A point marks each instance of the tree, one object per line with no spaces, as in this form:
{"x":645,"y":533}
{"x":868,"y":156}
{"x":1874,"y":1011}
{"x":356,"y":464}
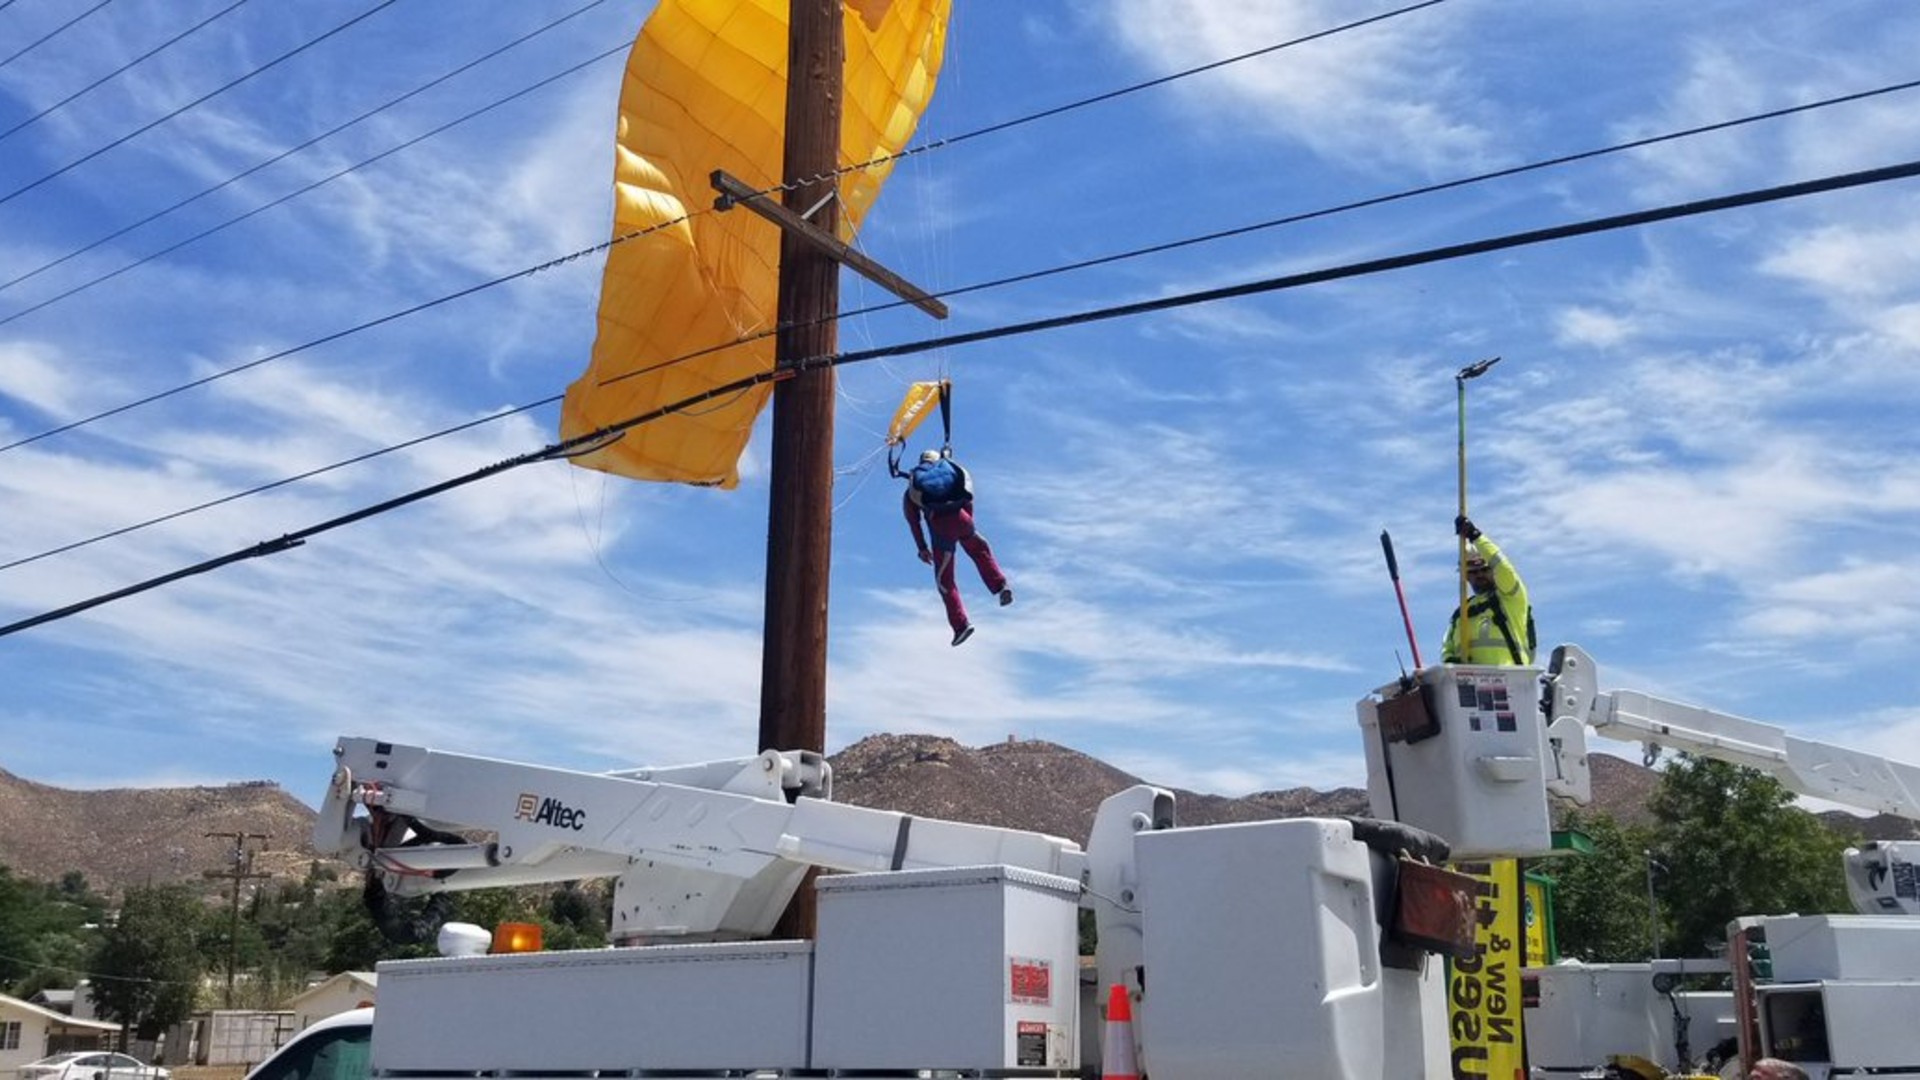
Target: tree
{"x":148,"y":963}
{"x":45,"y":932}
{"x":354,"y":942}
{"x":1734,"y":844}
{"x":576,"y":917}
{"x":1600,"y":911}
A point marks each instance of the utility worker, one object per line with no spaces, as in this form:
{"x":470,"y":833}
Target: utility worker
{"x":939,"y":490}
{"x":1499,"y":618}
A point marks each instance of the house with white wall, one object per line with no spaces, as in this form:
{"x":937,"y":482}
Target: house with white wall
{"x":347,"y":990}
{"x":29,"y":1032}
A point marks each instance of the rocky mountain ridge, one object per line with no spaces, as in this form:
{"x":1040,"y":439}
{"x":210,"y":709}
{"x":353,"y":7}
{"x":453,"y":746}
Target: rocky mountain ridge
{"x":123,"y":837}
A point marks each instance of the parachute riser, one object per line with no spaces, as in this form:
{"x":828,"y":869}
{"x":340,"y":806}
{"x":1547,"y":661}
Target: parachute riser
{"x":912,"y":412}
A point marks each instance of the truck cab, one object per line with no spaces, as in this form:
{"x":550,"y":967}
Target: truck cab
{"x":339,"y":1047}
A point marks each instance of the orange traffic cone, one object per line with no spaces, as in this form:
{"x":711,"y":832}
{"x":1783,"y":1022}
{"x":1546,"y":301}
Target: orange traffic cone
{"x":1117,"y":1059}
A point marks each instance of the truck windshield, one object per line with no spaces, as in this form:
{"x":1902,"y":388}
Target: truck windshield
{"x":341,"y":1054}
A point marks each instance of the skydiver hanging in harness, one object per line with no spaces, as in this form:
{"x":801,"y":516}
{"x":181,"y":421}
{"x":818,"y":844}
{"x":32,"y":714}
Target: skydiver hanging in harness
{"x":940,"y":490}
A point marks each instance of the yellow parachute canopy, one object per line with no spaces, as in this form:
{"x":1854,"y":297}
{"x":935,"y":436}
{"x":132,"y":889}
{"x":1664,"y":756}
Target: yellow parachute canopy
{"x":705,"y":89}
{"x":920,"y":400}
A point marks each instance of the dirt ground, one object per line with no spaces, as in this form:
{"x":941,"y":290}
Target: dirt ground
{"x":208,"y":1072}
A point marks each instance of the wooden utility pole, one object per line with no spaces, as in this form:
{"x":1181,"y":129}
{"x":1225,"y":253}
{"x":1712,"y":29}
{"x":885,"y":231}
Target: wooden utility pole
{"x":239,"y":869}
{"x":793,"y":668}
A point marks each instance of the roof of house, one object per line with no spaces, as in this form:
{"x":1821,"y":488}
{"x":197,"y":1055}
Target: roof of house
{"x":363,"y":980}
{"x":55,"y":1019}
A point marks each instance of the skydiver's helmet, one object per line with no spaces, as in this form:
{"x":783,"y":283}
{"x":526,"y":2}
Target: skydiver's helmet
{"x":928,"y":457}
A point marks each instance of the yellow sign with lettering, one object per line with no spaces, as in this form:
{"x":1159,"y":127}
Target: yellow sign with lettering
{"x":1483,"y":994}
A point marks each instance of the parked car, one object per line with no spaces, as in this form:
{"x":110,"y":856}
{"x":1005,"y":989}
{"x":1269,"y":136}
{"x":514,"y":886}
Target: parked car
{"x":91,"y":1065}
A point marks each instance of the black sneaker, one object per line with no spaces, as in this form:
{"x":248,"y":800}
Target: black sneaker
{"x":963,"y":633}
{"x":1006,"y":596}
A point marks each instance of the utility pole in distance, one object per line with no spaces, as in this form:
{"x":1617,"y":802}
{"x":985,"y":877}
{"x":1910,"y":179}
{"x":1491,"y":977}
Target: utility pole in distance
{"x":239,"y":869}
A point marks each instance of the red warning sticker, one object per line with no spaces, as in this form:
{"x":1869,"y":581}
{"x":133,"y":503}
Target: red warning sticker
{"x":1029,"y":982}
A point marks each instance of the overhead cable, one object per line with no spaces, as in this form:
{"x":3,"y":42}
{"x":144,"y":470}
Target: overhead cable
{"x":1082,"y":103}
{"x":271,"y":485}
{"x":584,"y":442}
{"x":422,"y":137}
{"x":121,"y":70}
{"x":53,"y":33}
{"x":282,"y":156}
{"x":1289,"y":219}
{"x":956,"y":291}
{"x":1164,"y":79}
{"x":335,"y":336}
{"x":195,"y":103}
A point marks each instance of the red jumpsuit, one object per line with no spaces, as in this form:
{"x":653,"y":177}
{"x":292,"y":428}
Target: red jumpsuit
{"x":951,"y":528}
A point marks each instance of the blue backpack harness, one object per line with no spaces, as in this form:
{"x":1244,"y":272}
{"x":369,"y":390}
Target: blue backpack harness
{"x":939,"y":486}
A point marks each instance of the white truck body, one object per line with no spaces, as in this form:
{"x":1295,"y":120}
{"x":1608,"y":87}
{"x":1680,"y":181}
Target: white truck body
{"x":1275,"y":948}
{"x":962,"y":971}
{"x":941,"y":947}
{"x":1586,"y":1013}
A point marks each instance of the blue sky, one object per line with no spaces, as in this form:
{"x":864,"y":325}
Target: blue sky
{"x":1699,"y":449}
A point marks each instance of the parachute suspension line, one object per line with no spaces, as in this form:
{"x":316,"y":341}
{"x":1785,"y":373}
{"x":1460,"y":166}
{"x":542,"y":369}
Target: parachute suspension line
{"x":860,"y":471}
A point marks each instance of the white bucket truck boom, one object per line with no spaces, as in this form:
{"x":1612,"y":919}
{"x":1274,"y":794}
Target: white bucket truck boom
{"x":1843,"y":990}
{"x":1274,"y":948}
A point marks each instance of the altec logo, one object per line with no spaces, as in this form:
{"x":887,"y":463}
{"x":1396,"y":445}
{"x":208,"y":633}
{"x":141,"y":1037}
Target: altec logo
{"x":548,"y":811}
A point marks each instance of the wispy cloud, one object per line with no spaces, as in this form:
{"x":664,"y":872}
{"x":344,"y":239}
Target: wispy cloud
{"x":1387,"y":94}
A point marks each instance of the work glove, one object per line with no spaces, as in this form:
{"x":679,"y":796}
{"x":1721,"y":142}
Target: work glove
{"x":1463,"y":526}
{"x":926,"y":556}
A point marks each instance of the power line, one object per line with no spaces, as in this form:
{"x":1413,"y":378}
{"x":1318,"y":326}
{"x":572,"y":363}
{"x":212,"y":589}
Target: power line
{"x":599,"y":437}
{"x":259,"y":489}
{"x":51,"y":34}
{"x":283,"y":155}
{"x":150,"y":125}
{"x":1309,"y":215}
{"x":36,"y":965}
{"x":1164,"y":79}
{"x":957,"y":291}
{"x":1381,"y":200}
{"x":1057,"y":110}
{"x":424,"y":136}
{"x":335,"y":336}
{"x":122,"y":69}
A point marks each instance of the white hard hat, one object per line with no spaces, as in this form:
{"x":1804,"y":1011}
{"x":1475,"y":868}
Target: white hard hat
{"x":929,"y":455}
